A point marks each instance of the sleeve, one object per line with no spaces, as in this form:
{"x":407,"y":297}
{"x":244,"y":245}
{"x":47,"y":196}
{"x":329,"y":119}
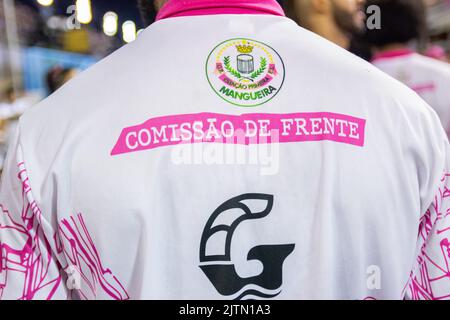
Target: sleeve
{"x":28,"y":267}
{"x":430,"y":276}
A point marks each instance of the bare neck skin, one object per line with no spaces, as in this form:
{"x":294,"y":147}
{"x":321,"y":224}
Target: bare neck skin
{"x":327,"y":28}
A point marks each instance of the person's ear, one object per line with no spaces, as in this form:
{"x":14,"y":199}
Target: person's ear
{"x":321,"y":6}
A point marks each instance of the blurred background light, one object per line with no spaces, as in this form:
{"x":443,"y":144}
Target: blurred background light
{"x":110,"y":23}
{"x":45,"y":3}
{"x":84,"y":11}
{"x":129,"y":31}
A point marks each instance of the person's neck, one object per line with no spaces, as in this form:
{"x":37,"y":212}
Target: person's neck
{"x":391,"y":47}
{"x":329,"y":30}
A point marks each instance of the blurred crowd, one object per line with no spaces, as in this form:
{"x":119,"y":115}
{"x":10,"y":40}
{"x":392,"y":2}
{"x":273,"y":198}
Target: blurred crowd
{"x":394,"y":35}
{"x":408,"y":30}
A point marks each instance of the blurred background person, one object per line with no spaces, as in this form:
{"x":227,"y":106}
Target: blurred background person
{"x":12,"y":105}
{"x":395,"y":52}
{"x":58,"y":76}
{"x":437,"y":52}
{"x":149,"y":9}
{"x":335,"y":20}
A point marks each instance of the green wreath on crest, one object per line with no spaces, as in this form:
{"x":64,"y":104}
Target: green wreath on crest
{"x":261,"y":69}
{"x":230,"y":69}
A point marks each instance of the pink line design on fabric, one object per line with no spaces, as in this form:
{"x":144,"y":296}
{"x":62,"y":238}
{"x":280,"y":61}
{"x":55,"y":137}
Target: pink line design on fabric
{"x":182,"y":8}
{"x":423,"y":87}
{"x":277,"y":128}
{"x":392,"y":54}
{"x":80,"y":251}
{"x":32,"y":258}
{"x":430,"y":279}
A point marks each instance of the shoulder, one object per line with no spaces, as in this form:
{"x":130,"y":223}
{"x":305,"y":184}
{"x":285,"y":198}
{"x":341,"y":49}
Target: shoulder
{"x":353,"y":78}
{"x":436,"y":66}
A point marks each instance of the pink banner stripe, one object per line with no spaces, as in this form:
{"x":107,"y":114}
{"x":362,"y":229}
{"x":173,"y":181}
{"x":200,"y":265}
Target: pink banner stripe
{"x":256,"y":128}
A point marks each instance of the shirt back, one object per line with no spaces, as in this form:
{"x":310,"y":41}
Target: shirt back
{"x":227,"y":156}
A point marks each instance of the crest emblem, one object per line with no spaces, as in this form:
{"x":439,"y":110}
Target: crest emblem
{"x":245,"y":72}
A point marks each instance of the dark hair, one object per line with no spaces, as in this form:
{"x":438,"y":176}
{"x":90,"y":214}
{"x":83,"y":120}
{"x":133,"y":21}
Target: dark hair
{"x":148,"y":11}
{"x":56,"y":77}
{"x":401,"y":22}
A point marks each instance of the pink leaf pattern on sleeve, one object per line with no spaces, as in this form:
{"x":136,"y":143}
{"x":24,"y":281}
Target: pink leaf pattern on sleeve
{"x":33,"y":263}
{"x":79,"y":250}
{"x":430,"y":277}
{"x":27,"y":258}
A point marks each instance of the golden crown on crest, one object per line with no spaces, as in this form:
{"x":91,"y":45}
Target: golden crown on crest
{"x":244,"y":48}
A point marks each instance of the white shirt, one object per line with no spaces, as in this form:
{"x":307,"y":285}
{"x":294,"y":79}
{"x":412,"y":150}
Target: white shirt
{"x":428,"y":77}
{"x":334,"y":170}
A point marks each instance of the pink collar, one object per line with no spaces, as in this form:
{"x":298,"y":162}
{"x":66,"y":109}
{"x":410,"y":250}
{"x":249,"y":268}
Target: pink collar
{"x":181,"y":8}
{"x":392,"y":54}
